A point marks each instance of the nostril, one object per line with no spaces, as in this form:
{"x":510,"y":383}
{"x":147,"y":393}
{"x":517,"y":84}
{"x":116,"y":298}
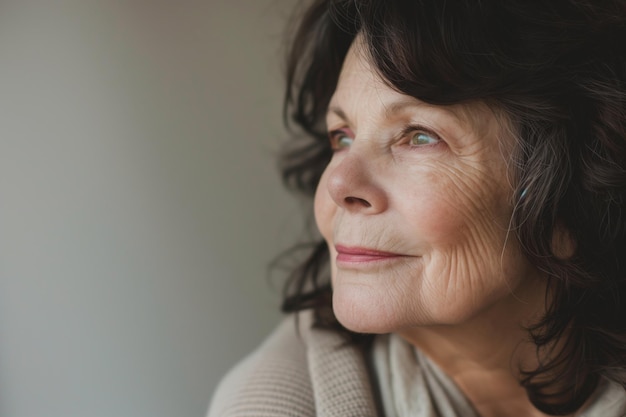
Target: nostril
{"x":357,"y":200}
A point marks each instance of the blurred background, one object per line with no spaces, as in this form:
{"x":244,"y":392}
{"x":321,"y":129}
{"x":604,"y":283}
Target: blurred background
{"x":140,"y":202}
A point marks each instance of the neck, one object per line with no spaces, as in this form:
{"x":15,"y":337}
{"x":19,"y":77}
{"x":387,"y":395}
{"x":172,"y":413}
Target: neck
{"x":484,"y":355}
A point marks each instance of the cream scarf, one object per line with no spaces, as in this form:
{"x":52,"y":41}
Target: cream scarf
{"x":411,"y":385}
{"x":308,"y":372}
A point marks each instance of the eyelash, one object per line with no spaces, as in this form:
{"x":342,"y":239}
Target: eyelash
{"x":409,"y":132}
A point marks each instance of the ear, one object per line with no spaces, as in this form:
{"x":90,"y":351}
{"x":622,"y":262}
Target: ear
{"x":563,"y":243}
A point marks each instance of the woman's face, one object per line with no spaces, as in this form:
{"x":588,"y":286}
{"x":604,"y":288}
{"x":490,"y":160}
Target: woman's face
{"x":415,"y":206}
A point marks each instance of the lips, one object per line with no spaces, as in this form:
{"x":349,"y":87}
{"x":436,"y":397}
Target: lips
{"x":351,"y":254}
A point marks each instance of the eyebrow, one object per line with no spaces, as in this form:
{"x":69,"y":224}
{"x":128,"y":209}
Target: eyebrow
{"x":339,"y":112}
{"x":396,"y":107}
{"x":390,"y":110}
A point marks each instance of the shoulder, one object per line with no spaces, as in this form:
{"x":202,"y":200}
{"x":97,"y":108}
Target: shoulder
{"x":272,"y":381}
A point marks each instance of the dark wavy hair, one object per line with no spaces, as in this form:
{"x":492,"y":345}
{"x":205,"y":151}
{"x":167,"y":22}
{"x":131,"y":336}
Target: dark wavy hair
{"x":557,"y":71}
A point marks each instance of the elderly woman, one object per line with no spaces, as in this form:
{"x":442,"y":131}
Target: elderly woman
{"x":468,"y":161}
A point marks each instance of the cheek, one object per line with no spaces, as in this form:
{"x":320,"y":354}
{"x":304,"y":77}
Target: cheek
{"x":437,"y":216}
{"x":324,"y":209}
{"x":456,"y":213}
{"x":435,"y":211}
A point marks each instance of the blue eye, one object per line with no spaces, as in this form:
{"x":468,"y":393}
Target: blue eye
{"x":339,"y":139}
{"x":344,"y":142}
{"x":423,"y":138}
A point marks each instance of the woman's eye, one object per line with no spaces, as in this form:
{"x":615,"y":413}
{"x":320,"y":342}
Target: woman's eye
{"x":340,"y":139}
{"x":423,"y":138}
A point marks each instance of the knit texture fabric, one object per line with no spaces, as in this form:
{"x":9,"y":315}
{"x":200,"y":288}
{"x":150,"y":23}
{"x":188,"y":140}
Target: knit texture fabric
{"x":301,"y":371}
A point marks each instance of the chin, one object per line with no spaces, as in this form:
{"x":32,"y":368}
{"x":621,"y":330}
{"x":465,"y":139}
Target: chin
{"x":363,"y":310}
{"x":360,"y":324}
{"x":364,"y":315}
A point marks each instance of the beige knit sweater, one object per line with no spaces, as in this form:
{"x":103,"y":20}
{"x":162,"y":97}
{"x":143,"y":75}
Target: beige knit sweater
{"x":300,"y":371}
{"x":307,"y":374}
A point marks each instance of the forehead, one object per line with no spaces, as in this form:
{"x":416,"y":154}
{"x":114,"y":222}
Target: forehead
{"x":359,"y":83}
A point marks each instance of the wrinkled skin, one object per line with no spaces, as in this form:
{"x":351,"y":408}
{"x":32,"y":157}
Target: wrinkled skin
{"x":430,"y":187}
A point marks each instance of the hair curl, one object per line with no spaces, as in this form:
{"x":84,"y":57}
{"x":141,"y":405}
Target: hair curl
{"x":557,"y":71}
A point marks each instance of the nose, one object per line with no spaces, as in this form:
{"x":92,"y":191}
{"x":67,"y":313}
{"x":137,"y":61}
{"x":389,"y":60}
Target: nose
{"x":352,"y":186}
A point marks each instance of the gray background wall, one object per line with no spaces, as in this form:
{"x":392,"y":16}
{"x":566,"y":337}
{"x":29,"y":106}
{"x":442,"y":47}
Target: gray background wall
{"x":139,"y":200}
